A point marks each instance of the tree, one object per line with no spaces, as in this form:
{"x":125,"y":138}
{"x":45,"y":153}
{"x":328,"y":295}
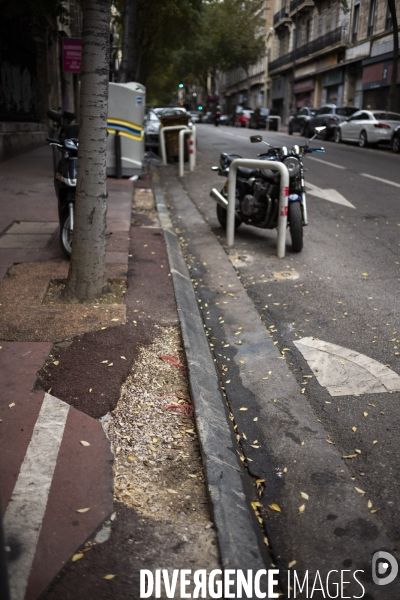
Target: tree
{"x":87,"y":271}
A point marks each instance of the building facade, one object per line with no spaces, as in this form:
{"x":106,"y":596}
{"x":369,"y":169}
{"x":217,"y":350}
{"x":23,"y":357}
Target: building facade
{"x":322,"y":54}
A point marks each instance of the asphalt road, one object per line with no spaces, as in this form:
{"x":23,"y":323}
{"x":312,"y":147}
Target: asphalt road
{"x":343,"y":290}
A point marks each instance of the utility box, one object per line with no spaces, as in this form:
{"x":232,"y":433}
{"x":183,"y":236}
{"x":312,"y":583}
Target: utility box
{"x":126,"y":107}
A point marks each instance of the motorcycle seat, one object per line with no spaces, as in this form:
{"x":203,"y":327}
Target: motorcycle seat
{"x":245,"y":173}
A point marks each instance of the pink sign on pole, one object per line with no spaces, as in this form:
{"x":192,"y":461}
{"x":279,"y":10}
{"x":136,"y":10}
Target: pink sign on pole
{"x":72,"y":55}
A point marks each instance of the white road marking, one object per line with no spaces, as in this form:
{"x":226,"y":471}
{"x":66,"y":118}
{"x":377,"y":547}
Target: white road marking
{"x":325,"y":162}
{"x":330,"y":195}
{"x":345,"y":372}
{"x":381,"y":179}
{"x":27,"y":506}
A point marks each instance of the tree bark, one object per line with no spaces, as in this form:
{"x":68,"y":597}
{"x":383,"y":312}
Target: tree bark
{"x":127,"y":68}
{"x":393,"y":83}
{"x":87,"y":271}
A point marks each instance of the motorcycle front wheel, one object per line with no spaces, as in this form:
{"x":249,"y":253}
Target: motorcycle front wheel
{"x":296,"y":226}
{"x":66,"y":234}
{"x":222,"y":216}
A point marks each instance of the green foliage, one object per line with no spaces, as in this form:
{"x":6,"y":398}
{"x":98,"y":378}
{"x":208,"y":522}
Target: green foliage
{"x":36,"y":10}
{"x":188,"y":40}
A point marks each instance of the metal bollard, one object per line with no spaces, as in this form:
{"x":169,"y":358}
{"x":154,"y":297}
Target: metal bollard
{"x":283,"y":198}
{"x":118,"y":162}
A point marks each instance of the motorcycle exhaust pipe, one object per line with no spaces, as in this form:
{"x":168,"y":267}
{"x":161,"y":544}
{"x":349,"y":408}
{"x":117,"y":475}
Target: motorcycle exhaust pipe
{"x":215,"y":195}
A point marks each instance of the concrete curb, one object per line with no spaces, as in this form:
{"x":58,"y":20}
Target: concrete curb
{"x":239,"y":536}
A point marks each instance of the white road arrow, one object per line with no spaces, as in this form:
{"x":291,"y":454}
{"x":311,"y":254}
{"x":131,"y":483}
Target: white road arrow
{"x":345,"y":372}
{"x":330,"y":195}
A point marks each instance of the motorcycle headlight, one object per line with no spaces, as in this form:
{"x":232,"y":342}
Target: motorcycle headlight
{"x":293,"y":166}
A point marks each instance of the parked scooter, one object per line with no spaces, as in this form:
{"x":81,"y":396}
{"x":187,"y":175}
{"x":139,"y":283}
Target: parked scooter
{"x":257,"y":190}
{"x":65,"y":185}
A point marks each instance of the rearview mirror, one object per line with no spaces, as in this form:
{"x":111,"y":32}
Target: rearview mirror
{"x":255,"y":139}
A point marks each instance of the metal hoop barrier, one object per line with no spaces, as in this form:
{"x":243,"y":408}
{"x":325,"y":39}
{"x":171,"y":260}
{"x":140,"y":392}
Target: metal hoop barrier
{"x":283,"y":198}
{"x":183,"y":130}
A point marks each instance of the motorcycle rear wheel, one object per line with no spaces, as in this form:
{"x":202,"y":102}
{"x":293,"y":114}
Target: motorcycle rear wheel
{"x":66,"y":235}
{"x":296,"y":226}
{"x":222,"y":216}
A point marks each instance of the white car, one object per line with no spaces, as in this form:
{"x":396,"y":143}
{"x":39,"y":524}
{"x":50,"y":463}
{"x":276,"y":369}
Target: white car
{"x":367,"y":128}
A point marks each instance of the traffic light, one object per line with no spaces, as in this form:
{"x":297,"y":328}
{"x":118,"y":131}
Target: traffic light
{"x":200,"y":107}
{"x":181,"y":85}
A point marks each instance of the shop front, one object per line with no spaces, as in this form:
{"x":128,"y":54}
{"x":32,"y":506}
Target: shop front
{"x":304,"y":92}
{"x":332,"y":87}
{"x":377,"y":75}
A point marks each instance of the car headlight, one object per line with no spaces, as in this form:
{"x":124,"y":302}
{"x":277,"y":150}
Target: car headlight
{"x":293,"y":166}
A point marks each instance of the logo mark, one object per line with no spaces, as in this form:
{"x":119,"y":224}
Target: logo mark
{"x":384,"y":568}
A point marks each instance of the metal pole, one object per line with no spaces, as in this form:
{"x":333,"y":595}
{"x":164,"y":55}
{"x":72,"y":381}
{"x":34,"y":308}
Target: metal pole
{"x":118,"y":162}
{"x":182,"y":134}
{"x":283,"y":198}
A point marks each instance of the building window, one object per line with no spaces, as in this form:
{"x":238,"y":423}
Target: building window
{"x":308,"y":31}
{"x":333,"y":17}
{"x":388,"y":20}
{"x":371,"y":17}
{"x":323,"y":23}
{"x":356,"y":18}
{"x":315,"y":26}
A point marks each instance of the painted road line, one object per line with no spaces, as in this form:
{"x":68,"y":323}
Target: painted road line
{"x":344,"y":372}
{"x":330,"y":195}
{"x":325,"y":162}
{"x":27,"y":506}
{"x":381,"y":179}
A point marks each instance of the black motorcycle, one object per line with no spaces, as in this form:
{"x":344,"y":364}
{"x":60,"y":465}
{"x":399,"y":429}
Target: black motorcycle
{"x":257,"y":190}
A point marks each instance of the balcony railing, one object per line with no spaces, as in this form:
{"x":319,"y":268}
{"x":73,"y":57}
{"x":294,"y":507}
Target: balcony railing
{"x":329,"y":39}
{"x":282,"y":14}
{"x":297,"y":4}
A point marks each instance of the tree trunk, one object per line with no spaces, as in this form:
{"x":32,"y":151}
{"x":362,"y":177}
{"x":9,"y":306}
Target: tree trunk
{"x":127,"y":68}
{"x":87,"y":271}
{"x":393,"y":83}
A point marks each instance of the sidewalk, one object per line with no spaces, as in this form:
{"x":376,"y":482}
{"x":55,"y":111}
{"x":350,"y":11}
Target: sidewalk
{"x":118,"y":495}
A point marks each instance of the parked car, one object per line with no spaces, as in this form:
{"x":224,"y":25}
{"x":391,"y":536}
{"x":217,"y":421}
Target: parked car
{"x":299,"y":121}
{"x":368,"y":128}
{"x":395,"y":143}
{"x":195,"y":116}
{"x":242,"y":118}
{"x":259,"y":118}
{"x":224,"y":120}
{"x":329,"y":116}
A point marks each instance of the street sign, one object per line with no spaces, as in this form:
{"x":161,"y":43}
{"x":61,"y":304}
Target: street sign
{"x":72,"y":55}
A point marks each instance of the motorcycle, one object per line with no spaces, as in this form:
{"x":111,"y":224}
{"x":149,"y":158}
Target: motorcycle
{"x":257,"y":190}
{"x":65,"y":186}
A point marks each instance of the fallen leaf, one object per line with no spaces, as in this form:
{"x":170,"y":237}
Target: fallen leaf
{"x":357,"y":450}
{"x":291,"y":564}
{"x":153,"y":449}
{"x":304,"y":495}
{"x":104,"y":361}
{"x":109,"y":576}
{"x":114,"y":319}
{"x":131,"y":458}
{"x":193,"y":476}
{"x":260,"y":480}
{"x":266,"y":541}
{"x":255,"y":505}
{"x":365,"y":414}
{"x":365,"y":274}
{"x":350,"y":456}
{"x":375,"y":442}
{"x":359,"y":491}
{"x":110,"y":365}
{"x":84,"y":443}
{"x":13,"y":404}
{"x":56,"y":362}
{"x":123,"y":357}
{"x":77,"y":556}
{"x":243,"y":408}
{"x":275,"y":507}
{"x":241,"y":361}
{"x":374,"y":510}
{"x":354,"y":429}
{"x":284,"y":469}
{"x":369,"y":504}
{"x":171,"y":491}
{"x":252,"y":445}
{"x":302,"y":508}
{"x":82,"y":510}
{"x":255,"y":419}
{"x":90,"y":390}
